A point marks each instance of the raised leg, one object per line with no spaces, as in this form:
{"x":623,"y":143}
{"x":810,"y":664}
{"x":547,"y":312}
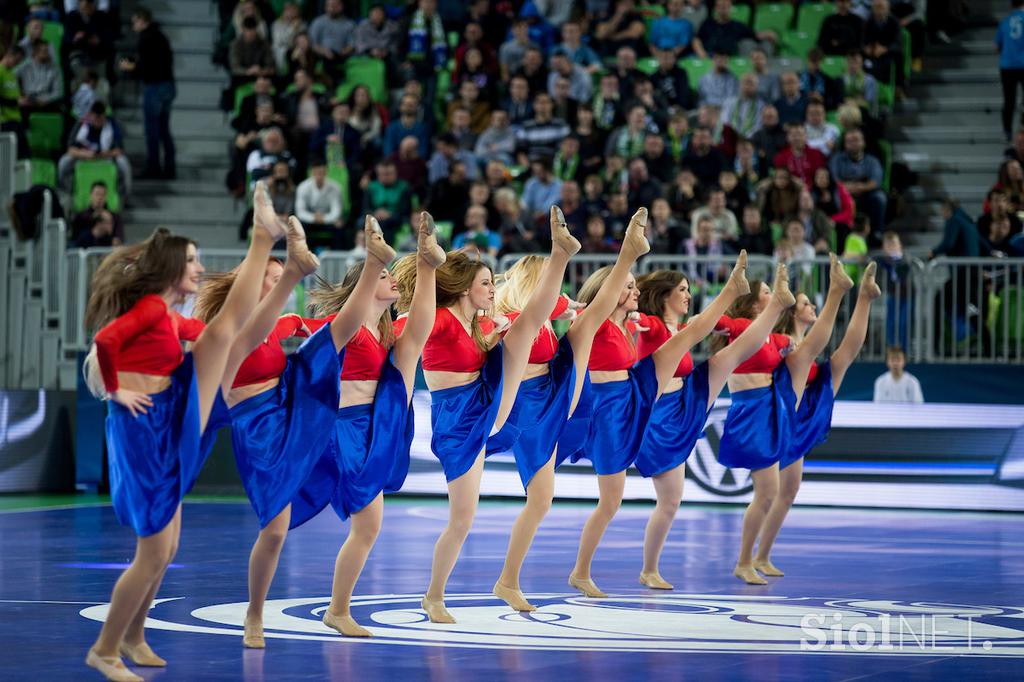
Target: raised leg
{"x":610,"y":488}
{"x":789,"y":485}
{"x":539,"y":494}
{"x":352,"y":315}
{"x":463,"y":497}
{"x":857,"y":330}
{"x":766,"y":489}
{"x":351,"y":558}
{"x":668,"y":487}
{"x":262,"y":565}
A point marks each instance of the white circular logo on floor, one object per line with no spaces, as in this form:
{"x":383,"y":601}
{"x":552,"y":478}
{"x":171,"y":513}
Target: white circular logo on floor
{"x":639,"y":623}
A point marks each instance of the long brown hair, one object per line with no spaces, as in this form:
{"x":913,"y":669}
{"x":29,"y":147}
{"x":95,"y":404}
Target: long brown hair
{"x":655,"y":287}
{"x":131,"y":272}
{"x":214,"y":291}
{"x":404,"y":272}
{"x":328,"y":299}
{"x":453,"y":278}
{"x":742,"y":307}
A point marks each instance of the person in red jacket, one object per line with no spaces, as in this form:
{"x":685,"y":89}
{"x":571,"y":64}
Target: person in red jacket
{"x":801,"y":160}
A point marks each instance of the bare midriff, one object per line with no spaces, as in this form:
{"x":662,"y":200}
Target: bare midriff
{"x":242,"y":393}
{"x":674,"y":384}
{"x":746,"y":382}
{"x":598,"y":376}
{"x":535,"y":369}
{"x":143,"y":383}
{"x":438,"y":380}
{"x":357,"y":392}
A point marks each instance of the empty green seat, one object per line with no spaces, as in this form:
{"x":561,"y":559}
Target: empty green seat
{"x":53,"y":33}
{"x":44,"y":172}
{"x":798,"y":43}
{"x":740,"y":65}
{"x":89,"y":172}
{"x":740,"y":13}
{"x":812,"y":16}
{"x":833,"y":66}
{"x":695,"y":67}
{"x":647,"y":65}
{"x":368,"y":71}
{"x":46,"y":133}
{"x":774,"y":17}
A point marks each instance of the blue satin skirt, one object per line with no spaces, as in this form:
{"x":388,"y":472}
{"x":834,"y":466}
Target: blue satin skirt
{"x":462,"y":418}
{"x":371,"y":444}
{"x":539,"y":415}
{"x":759,"y":425}
{"x":154,"y":459}
{"x":619,"y":412}
{"x":676,"y":424}
{"x":813,"y":418}
{"x":279,"y":435}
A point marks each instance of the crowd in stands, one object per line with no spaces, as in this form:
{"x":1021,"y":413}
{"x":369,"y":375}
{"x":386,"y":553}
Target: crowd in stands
{"x":733,"y":132}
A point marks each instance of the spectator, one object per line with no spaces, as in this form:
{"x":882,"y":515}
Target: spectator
{"x":643,"y":189}
{"x":705,"y":161}
{"x":563,"y":105}
{"x":855,"y":248}
{"x":283,"y":32}
{"x":477,"y":233}
{"x":517,"y":103}
{"x":261,"y":161}
{"x":577,"y":51}
{"x":40,"y":80}
{"x":86,"y":94}
{"x":376,"y":35}
{"x":628,"y":140}
{"x":756,"y":238}
{"x":862,"y":175}
{"x":517,"y":236}
{"x":540,"y":135}
{"x":794,"y":247}
{"x":580,"y":83}
{"x":1000,"y":211}
{"x":996,"y":242}
{"x":841,"y":32}
{"x":498,"y":141}
{"x":684,"y":197}
{"x":424,"y":50}
{"x":410,"y":166}
{"x":620,"y":27}
{"x":446,"y":151}
{"x":859,"y":86}
{"x":247,"y":140}
{"x":459,"y":128}
{"x":365,"y":117}
{"x":88,"y":38}
{"x":608,"y":104}
{"x":534,"y":71}
{"x":337,"y":130}
{"x":883,"y":45}
{"x":742,"y":112}
{"x":659,"y":161}
{"x":664,"y":232}
{"x":572,"y":206}
{"x":449,"y":196}
{"x":512,"y":52}
{"x":318,"y":205}
{"x":705,"y":244}
{"x":625,"y":69}
{"x":34,"y":32}
{"x":894,"y":276}
{"x":778,"y":197}
{"x":566,"y":164}
{"x":333,"y":35}
{"x":281,"y":189}
{"x":262,"y":91}
{"x":897,"y":385}
{"x":250,"y":55}
{"x":486,"y":65}
{"x":736,"y":197}
{"x":617,"y":216}
{"x":388,"y":199}
{"x":541,"y":191}
{"x":494,"y":24}
{"x":671,"y":82}
{"x":672,"y":32}
{"x":769,"y":140}
{"x":821,"y":135}
{"x":678,"y":136}
{"x":597,"y":239}
{"x":97,"y":225}
{"x":407,"y":124}
{"x":792,"y":104}
{"x":96,"y":137}
{"x":724,"y":221}
{"x":746,"y":166}
{"x":469,"y":99}
{"x":1016,"y":150}
{"x":833,"y":200}
{"x":305,"y":109}
{"x":1011,"y":181}
{"x":960,"y":234}
{"x":719,"y":84}
{"x":302,"y":55}
{"x":720,"y":33}
{"x":801,"y":160}
{"x":695,"y":11}
{"x":818,"y":229}
{"x":815,"y":82}
{"x":769,"y":88}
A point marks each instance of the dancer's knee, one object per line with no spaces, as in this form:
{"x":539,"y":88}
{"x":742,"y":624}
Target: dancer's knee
{"x":459,"y":525}
{"x":273,"y":537}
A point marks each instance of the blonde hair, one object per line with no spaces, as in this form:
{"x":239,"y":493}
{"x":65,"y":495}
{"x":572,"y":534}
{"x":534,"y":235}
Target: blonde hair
{"x":328,"y":299}
{"x":454,"y":277}
{"x":214,"y":291}
{"x":518,"y":284}
{"x":588,"y":292}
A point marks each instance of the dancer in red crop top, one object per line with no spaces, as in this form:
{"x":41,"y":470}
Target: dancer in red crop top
{"x":814,"y":414}
{"x":470,"y":401}
{"x":156,"y":427}
{"x":665,"y":300}
{"x":368,"y":376}
{"x":273,"y":472}
{"x":625,"y":393}
{"x":747,"y":447}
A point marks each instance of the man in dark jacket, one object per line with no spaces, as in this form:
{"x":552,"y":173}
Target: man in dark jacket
{"x":154,"y":66}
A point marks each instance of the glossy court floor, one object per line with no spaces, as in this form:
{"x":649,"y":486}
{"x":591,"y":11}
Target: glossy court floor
{"x":867,"y":595}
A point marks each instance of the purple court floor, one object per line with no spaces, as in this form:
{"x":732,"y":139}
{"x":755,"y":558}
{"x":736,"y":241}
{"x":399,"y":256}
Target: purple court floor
{"x":867,"y":595}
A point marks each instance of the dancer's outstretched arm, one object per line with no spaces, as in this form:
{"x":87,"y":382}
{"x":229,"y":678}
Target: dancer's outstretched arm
{"x":356,"y":309}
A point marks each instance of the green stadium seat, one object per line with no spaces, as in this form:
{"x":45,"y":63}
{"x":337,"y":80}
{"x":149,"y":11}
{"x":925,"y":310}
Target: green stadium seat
{"x":833,"y":66}
{"x":338,"y":171}
{"x":453,"y":39}
{"x":445,"y":228}
{"x":651,"y":13}
{"x":695,"y":67}
{"x":740,"y":65}
{"x":88,"y":172}
{"x":740,"y":13}
{"x":367,"y":71}
{"x":318,"y":88}
{"x":46,"y":133}
{"x":812,"y":15}
{"x":53,"y":33}
{"x":44,"y":172}
{"x":647,"y":65}
{"x":908,"y":60}
{"x":775,"y":16}
{"x":243,"y":91}
{"x":798,"y":43}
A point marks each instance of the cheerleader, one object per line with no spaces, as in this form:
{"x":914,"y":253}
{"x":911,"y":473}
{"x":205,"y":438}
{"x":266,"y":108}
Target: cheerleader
{"x":814,"y":413}
{"x":160,"y":404}
{"x":373,"y":428}
{"x":622,"y":392}
{"x":282,"y":409}
{"x":680,"y":414}
{"x":473,"y":382}
{"x":765,"y":392}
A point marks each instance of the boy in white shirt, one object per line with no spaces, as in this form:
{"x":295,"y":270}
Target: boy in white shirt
{"x":896,"y":385}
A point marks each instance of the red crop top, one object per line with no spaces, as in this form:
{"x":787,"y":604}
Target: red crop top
{"x":813,"y":373}
{"x":654,"y":338}
{"x":146,"y":339}
{"x":767,"y":357}
{"x":268,"y":360}
{"x":450,"y":348}
{"x":364,"y":357}
{"x":546,"y":343}
{"x":612,"y":349}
